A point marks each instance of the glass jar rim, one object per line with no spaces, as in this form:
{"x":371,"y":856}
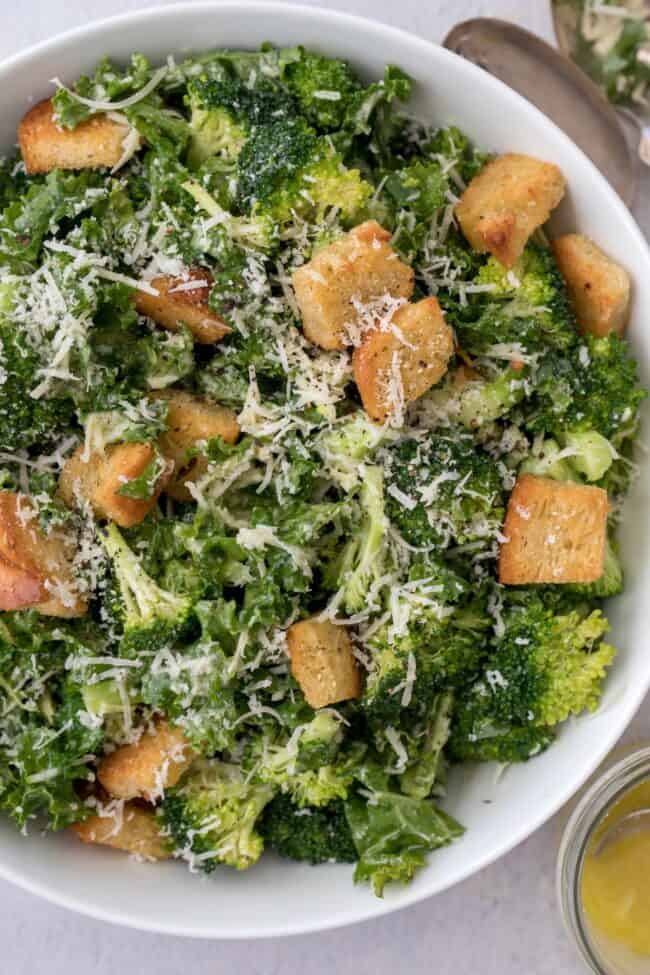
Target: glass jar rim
{"x":596,"y":802}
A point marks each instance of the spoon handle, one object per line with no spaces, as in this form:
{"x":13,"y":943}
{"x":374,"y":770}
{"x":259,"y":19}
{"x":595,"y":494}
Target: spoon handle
{"x":639,"y":133}
{"x":556,"y":86}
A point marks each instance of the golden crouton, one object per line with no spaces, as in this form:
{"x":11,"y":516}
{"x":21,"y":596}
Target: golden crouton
{"x":405,"y":360}
{"x":509,"y":199}
{"x":555,"y":532}
{"x":191,"y":420}
{"x":322,"y":662}
{"x":132,"y":828}
{"x":599,"y":288}
{"x":144,"y":770}
{"x":360,"y":266}
{"x":99,"y":479}
{"x":44,"y":146}
{"x":183,"y":301}
{"x":35,"y":568}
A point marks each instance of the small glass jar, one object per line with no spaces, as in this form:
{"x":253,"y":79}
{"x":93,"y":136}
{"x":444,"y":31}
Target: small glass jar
{"x":601,"y":954}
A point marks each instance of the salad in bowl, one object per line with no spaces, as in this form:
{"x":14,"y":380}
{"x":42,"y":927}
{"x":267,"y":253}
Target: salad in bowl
{"x":313,"y":447}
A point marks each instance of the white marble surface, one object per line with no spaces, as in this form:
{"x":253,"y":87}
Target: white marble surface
{"x":502,"y":921}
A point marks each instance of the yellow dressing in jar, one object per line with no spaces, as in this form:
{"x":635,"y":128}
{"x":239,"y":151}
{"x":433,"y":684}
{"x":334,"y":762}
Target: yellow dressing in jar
{"x":615,"y":881}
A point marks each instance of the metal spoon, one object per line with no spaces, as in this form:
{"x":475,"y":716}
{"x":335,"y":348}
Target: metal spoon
{"x":557,"y":87}
{"x":633,"y":822}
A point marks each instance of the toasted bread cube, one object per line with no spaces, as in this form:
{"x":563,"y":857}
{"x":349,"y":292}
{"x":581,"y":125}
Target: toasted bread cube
{"x":129,"y":827}
{"x":599,"y":288}
{"x":99,"y":479}
{"x":323,"y":662}
{"x":35,"y":568}
{"x":555,"y":532}
{"x":509,"y":199}
{"x":191,"y":420}
{"x":144,"y":770}
{"x":404,"y":361}
{"x":44,"y":146}
{"x":361,"y":265}
{"x":183,"y":301}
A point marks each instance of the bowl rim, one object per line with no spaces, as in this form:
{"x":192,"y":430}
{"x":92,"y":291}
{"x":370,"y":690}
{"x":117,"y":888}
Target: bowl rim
{"x":620,"y":213}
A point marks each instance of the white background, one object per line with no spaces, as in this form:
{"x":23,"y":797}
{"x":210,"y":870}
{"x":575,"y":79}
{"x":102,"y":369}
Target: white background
{"x":503,"y":921}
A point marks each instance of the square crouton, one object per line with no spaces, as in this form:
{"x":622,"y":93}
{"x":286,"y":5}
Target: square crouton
{"x":599,"y":288}
{"x":323,"y":662}
{"x":98,"y":480}
{"x":357,"y":268}
{"x":44,"y":146}
{"x":183,"y":300}
{"x":35,"y":568}
{"x":509,"y":199}
{"x":400,"y":362}
{"x":555,"y":532}
{"x":191,"y":420}
{"x":130,"y":827}
{"x":144,"y":770}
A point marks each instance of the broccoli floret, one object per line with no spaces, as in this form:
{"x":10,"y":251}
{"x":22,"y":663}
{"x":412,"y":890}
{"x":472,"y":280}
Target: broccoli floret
{"x":311,"y":834}
{"x":294,"y":764}
{"x":544,"y":668}
{"x":590,"y":453}
{"x":224,"y":111}
{"x":475,"y":401}
{"x":535,"y":281}
{"x":440,"y":647}
{"x":526,"y":307}
{"x":360,"y":564}
{"x":286,"y":169}
{"x":456,"y":150}
{"x":611,"y":581}
{"x":150,"y":616}
{"x":320,"y":741}
{"x":594,"y":388}
{"x":166,"y":357}
{"x":477,"y":737}
{"x":420,"y":187}
{"x":210,"y":817}
{"x":347,"y":444}
{"x":547,"y":459}
{"x":323,"y":88}
{"x":442,"y":487}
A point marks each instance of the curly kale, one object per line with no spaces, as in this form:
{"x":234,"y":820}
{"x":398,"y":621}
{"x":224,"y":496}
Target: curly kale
{"x":25,"y":421}
{"x":46,"y":746}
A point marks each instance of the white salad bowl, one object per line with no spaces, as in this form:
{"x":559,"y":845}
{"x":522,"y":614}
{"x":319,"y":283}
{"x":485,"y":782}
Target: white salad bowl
{"x":277,"y":897}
